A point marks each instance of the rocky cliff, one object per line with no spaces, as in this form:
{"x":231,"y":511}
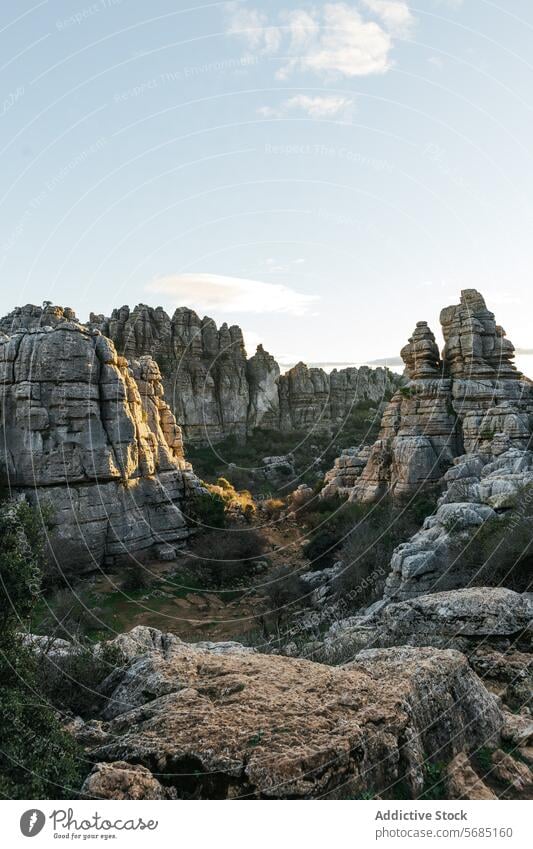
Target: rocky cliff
{"x":91,"y":438}
{"x":451,"y":405}
{"x":215,"y":391}
{"x":464,"y":423}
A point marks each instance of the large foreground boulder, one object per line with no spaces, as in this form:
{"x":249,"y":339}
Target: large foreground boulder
{"x":236,"y":725}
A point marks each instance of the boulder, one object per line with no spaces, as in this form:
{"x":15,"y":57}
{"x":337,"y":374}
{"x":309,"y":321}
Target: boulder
{"x":219,"y":725}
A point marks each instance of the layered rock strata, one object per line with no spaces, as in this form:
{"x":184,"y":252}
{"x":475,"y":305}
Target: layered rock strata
{"x":240,"y":725}
{"x":450,"y":406}
{"x":215,"y":391}
{"x":92,"y":439}
{"x":213,"y":388}
{"x":469,"y":620}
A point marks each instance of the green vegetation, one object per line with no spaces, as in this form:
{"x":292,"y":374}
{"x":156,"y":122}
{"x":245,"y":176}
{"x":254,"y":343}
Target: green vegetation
{"x":364,"y":537}
{"x":39,"y":760}
{"x":226,"y":560}
{"x":501,"y":551}
{"x":435,"y":782}
{"x":239,"y":461}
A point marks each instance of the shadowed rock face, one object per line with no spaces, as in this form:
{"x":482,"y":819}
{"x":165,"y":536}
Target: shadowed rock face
{"x":230,"y":725}
{"x":449,"y":406}
{"x":215,"y":391}
{"x":92,"y":438}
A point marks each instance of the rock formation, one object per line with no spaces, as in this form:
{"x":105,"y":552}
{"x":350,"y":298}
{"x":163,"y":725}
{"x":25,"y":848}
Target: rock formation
{"x":211,"y":725}
{"x":490,"y":618}
{"x":449,"y":406}
{"x":311,"y":400}
{"x":93,"y":440}
{"x":204,"y":368}
{"x":215,"y":391}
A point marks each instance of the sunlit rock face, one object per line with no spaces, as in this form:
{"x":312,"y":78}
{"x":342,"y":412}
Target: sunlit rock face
{"x":203,"y":367}
{"x":92,"y":439}
{"x":369,"y":723}
{"x":450,"y":406}
{"x":215,"y":391}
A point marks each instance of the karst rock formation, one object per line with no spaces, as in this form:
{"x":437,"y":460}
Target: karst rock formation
{"x":89,"y":437}
{"x":216,"y":391}
{"x":449,"y":407}
{"x":462,"y":425}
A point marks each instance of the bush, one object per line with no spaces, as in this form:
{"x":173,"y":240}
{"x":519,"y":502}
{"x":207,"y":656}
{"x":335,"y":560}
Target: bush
{"x":137,"y":577}
{"x":72,"y":683}
{"x":225,"y":560}
{"x":209,"y":511}
{"x":39,"y":760}
{"x":367,"y":549}
{"x":69,"y":616}
{"x":500,"y":553}
{"x":284,"y":592}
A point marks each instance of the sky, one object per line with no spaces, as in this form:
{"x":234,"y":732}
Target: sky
{"x":323,"y":174}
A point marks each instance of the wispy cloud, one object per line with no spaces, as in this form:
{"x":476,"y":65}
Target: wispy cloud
{"x":232,"y":294}
{"x":334,"y":40}
{"x":320,"y":106}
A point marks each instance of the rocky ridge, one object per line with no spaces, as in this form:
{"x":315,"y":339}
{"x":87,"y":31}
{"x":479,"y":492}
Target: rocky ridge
{"x":231,"y":725}
{"x":89,"y":436}
{"x":449,"y":407}
{"x":216,"y":391}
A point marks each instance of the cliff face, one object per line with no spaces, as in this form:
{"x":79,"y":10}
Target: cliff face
{"x":449,"y":406}
{"x":215,"y":391}
{"x":310,"y":399}
{"x":83,"y":432}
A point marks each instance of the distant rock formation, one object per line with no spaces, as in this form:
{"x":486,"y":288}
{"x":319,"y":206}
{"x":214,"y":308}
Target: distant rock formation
{"x":215,"y":391}
{"x":448,"y":407}
{"x":92,"y":438}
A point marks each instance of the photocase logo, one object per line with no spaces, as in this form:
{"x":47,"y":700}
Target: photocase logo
{"x":32,"y":822}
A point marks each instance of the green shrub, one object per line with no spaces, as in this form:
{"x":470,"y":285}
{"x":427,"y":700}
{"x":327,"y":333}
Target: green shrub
{"x":367,"y":548}
{"x":225,"y":560}
{"x":208,"y":511}
{"x":39,"y":760}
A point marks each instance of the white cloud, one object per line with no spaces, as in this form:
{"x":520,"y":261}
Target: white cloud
{"x":252,"y":26}
{"x":232,"y":294}
{"x":395,"y":14}
{"x":333,"y":40}
{"x":320,"y":106}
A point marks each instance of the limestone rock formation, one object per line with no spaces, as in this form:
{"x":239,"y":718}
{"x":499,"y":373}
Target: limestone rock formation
{"x":480,"y":488}
{"x":493,"y":618}
{"x":449,"y":406}
{"x":211,"y":386}
{"x":120,"y":781}
{"x":31,"y":317}
{"x":262,"y":373}
{"x":464,"y":783}
{"x":203,"y":367}
{"x":79,"y":434}
{"x":215,"y":391}
{"x":348,"y":467}
{"x":256,"y":726}
{"x":311,"y":400}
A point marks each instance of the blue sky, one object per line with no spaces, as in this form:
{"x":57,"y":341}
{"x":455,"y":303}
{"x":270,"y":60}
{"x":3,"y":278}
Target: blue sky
{"x":323,"y":174}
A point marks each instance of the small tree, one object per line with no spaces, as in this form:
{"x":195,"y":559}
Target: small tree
{"x":38,"y":759}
